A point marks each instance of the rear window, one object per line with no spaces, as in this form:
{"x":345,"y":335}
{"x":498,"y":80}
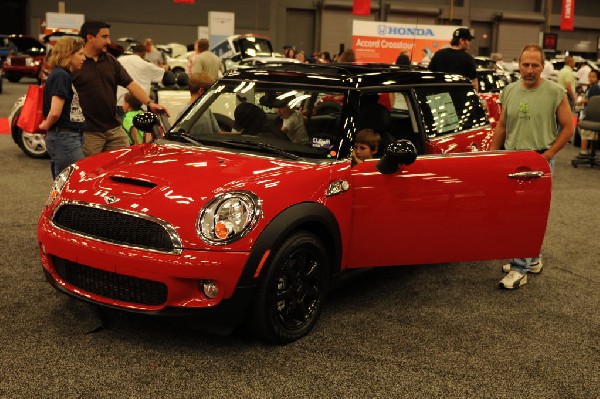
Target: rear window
{"x":448,"y":110}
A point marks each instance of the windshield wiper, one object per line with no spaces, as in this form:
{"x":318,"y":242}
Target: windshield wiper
{"x":263,"y":146}
{"x":182,"y":134}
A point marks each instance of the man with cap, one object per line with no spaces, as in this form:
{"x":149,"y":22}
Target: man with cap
{"x":456,"y":59}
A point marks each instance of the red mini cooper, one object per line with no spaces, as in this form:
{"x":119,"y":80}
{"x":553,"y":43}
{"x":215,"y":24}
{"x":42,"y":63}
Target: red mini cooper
{"x":229,"y":217}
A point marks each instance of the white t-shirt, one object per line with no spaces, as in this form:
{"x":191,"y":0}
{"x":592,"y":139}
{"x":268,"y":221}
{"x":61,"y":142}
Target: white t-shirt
{"x":141,"y":71}
{"x":582,"y":75}
{"x":295,"y":128}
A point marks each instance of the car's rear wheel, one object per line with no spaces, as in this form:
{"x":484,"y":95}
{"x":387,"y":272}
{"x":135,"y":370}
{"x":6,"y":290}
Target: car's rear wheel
{"x":293,"y":290}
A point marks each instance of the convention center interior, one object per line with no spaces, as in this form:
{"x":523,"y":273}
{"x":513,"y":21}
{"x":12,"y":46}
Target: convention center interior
{"x":300,"y":199}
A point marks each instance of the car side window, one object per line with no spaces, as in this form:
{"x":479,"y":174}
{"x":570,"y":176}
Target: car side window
{"x":448,"y":110}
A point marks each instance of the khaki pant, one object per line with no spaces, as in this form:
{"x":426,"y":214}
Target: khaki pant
{"x":97,"y":142}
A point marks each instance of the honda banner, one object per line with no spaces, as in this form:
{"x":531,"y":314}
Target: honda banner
{"x":383,"y":41}
{"x":567,"y":15}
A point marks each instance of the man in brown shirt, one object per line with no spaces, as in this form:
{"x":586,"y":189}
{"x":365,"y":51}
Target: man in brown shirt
{"x":96,"y":83}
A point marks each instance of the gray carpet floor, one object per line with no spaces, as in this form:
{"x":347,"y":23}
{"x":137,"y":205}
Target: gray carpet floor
{"x":436,"y":331}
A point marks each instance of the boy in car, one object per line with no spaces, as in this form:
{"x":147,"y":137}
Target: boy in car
{"x":293,"y":124}
{"x":366,"y":145}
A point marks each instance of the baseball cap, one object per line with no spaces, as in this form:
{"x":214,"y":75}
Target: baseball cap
{"x":463,"y":33}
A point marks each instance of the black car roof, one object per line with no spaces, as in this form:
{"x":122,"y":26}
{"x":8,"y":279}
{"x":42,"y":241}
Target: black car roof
{"x":352,"y":75}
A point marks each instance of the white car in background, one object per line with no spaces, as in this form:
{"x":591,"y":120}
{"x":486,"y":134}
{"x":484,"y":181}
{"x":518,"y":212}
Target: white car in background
{"x":179,"y":63}
{"x":246,"y":51}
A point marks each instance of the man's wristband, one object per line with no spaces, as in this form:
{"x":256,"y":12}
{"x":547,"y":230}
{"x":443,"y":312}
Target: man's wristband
{"x":148,"y":103}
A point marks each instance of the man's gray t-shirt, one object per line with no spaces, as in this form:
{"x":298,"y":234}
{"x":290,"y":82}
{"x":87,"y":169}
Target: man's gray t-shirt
{"x":530,"y":115}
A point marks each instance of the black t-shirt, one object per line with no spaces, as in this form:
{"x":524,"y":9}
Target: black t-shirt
{"x":96,"y":82}
{"x":59,"y":84}
{"x":450,"y":60}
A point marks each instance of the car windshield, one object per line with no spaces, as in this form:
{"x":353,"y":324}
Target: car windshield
{"x":291,"y":123}
{"x":28,"y":46}
{"x":252,"y":46}
{"x":492,"y":82}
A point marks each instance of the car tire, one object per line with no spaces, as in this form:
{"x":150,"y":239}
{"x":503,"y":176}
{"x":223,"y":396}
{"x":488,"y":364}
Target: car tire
{"x":178,"y":70}
{"x":293,"y":290}
{"x":13,"y":78}
{"x":32,"y":144}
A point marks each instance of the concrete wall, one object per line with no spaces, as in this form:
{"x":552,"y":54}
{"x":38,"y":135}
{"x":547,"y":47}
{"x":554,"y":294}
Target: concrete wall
{"x":166,"y":22}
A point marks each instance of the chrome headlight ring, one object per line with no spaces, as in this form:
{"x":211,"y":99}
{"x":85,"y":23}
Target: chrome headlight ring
{"x":59,"y":184}
{"x":228,"y":217}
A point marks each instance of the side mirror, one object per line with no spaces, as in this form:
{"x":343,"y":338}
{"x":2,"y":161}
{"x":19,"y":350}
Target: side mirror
{"x":400,"y":152}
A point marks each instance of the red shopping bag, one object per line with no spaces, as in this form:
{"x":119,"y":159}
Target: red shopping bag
{"x":31,"y":114}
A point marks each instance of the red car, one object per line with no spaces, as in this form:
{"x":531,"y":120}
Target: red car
{"x":491,"y":82}
{"x":25,"y":58}
{"x":225,"y":227}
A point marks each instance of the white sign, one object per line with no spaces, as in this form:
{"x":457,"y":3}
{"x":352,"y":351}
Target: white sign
{"x":220,"y":26}
{"x":55,"y":20}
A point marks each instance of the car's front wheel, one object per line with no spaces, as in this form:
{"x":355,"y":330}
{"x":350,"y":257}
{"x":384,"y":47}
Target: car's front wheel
{"x":293,"y":290}
{"x":32,"y":144}
{"x":13,"y":77}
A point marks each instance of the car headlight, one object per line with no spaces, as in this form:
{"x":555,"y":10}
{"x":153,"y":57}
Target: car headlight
{"x":59,"y":183}
{"x":228,"y":217}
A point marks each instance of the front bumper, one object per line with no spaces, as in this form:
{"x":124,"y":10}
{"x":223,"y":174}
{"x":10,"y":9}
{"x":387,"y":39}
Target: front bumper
{"x":121,"y":269}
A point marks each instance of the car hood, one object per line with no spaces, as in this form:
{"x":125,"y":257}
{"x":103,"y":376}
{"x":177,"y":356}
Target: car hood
{"x":174,"y":182}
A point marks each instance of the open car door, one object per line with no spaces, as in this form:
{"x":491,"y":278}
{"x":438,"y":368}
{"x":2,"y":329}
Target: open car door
{"x":450,"y":208}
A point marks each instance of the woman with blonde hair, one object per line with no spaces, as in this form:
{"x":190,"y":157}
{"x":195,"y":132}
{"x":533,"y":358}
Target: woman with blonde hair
{"x":64,"y":120}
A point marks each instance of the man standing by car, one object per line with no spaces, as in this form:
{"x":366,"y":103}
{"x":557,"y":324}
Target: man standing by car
{"x":141,"y":71}
{"x":456,"y":59}
{"x":566,"y":78}
{"x":206,"y":61}
{"x":96,"y":82}
{"x":531,"y":108}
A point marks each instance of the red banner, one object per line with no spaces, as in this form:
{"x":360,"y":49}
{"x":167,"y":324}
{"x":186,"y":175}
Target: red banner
{"x":361,"y":7}
{"x":567,"y":15}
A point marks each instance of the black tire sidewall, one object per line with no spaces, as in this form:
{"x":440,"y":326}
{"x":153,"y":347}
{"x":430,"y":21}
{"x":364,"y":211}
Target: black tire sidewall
{"x":265,"y":322}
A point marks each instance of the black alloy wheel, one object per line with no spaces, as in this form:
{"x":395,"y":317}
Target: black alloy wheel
{"x":290,"y":299}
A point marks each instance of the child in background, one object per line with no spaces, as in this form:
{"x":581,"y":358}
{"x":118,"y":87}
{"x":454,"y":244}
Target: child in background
{"x":366,"y":145}
{"x":293,"y":124}
{"x":132,"y":107}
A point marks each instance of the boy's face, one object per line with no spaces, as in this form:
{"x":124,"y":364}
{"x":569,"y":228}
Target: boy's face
{"x":363,"y":151}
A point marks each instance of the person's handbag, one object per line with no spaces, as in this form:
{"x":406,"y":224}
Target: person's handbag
{"x":31,"y":114}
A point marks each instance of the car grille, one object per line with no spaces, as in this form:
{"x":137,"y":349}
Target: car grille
{"x":17,"y":61}
{"x":111,"y":285}
{"x":115,"y":226}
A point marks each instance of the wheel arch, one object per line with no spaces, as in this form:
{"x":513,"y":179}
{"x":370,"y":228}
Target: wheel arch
{"x":308,"y":216}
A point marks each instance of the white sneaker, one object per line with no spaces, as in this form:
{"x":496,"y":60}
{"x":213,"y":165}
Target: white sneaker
{"x":536,"y":267}
{"x":513,"y":279}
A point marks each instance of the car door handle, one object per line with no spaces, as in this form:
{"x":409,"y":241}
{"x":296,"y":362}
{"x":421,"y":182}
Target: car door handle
{"x":527,"y":175}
